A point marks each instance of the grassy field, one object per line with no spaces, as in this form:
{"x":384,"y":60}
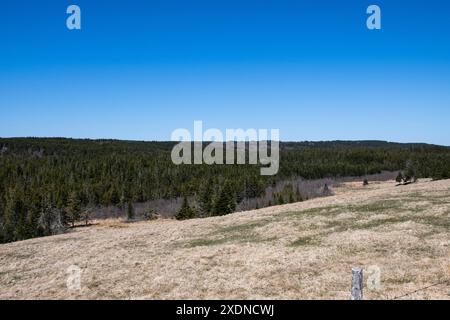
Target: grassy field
{"x":297,"y":251}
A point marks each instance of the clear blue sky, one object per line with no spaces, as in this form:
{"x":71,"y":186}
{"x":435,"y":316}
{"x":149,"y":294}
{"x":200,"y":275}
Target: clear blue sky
{"x":140,"y":69}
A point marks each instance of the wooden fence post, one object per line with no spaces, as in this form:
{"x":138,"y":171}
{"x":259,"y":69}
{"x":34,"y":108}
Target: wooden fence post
{"x":357,"y":284}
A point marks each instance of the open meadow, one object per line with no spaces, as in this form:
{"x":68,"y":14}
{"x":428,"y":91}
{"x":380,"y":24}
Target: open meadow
{"x":303,"y":250}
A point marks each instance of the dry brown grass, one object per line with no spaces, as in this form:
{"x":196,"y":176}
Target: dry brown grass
{"x":295,"y":251}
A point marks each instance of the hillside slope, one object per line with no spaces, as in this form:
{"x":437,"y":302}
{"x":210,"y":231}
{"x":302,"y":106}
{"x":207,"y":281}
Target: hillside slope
{"x":297,"y":251}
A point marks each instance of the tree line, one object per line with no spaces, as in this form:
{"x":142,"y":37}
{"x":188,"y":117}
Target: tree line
{"x":49,"y":184}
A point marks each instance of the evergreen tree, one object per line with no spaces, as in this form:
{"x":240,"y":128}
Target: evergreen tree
{"x":10,"y":219}
{"x":115,"y":198}
{"x":2,"y":231}
{"x":225,"y":203}
{"x":205,"y":199}
{"x":130,"y":211}
{"x":291,"y":198}
{"x":33,"y":218}
{"x":122,"y":201}
{"x":280,"y":199}
{"x":73,"y":207}
{"x":298,"y":194}
{"x":186,"y":212}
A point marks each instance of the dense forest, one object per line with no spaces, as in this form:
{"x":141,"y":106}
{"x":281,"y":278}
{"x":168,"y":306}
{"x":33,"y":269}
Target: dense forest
{"x":49,"y":184}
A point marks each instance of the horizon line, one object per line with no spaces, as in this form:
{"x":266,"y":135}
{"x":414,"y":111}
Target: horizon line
{"x":204,"y":141}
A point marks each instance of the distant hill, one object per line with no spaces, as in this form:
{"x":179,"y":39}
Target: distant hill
{"x":55,"y":145}
{"x":359,"y":144}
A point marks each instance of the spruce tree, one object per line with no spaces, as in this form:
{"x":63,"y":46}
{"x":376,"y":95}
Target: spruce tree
{"x":205,"y":199}
{"x":291,"y":198}
{"x":33,"y":218}
{"x":10,"y":217}
{"x":130,"y":211}
{"x":225,"y":203}
{"x":73,"y":207}
{"x":298,"y":194}
{"x":280,"y":199}
{"x":186,"y":212}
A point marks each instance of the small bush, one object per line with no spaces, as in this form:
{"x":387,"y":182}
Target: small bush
{"x":150,"y":214}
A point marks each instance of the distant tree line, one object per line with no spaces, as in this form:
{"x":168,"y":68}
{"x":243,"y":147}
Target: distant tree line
{"x":49,"y":185}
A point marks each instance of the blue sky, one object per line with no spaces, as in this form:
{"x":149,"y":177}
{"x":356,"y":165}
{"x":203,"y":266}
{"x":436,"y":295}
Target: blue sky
{"x":141,"y":69}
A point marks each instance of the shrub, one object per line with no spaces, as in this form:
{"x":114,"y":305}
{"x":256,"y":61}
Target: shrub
{"x":150,"y":214}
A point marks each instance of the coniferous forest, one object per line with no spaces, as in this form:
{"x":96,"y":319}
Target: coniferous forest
{"x":50,"y":184}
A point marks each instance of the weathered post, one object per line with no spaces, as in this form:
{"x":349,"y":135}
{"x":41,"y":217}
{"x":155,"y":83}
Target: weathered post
{"x":357,"y":284}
